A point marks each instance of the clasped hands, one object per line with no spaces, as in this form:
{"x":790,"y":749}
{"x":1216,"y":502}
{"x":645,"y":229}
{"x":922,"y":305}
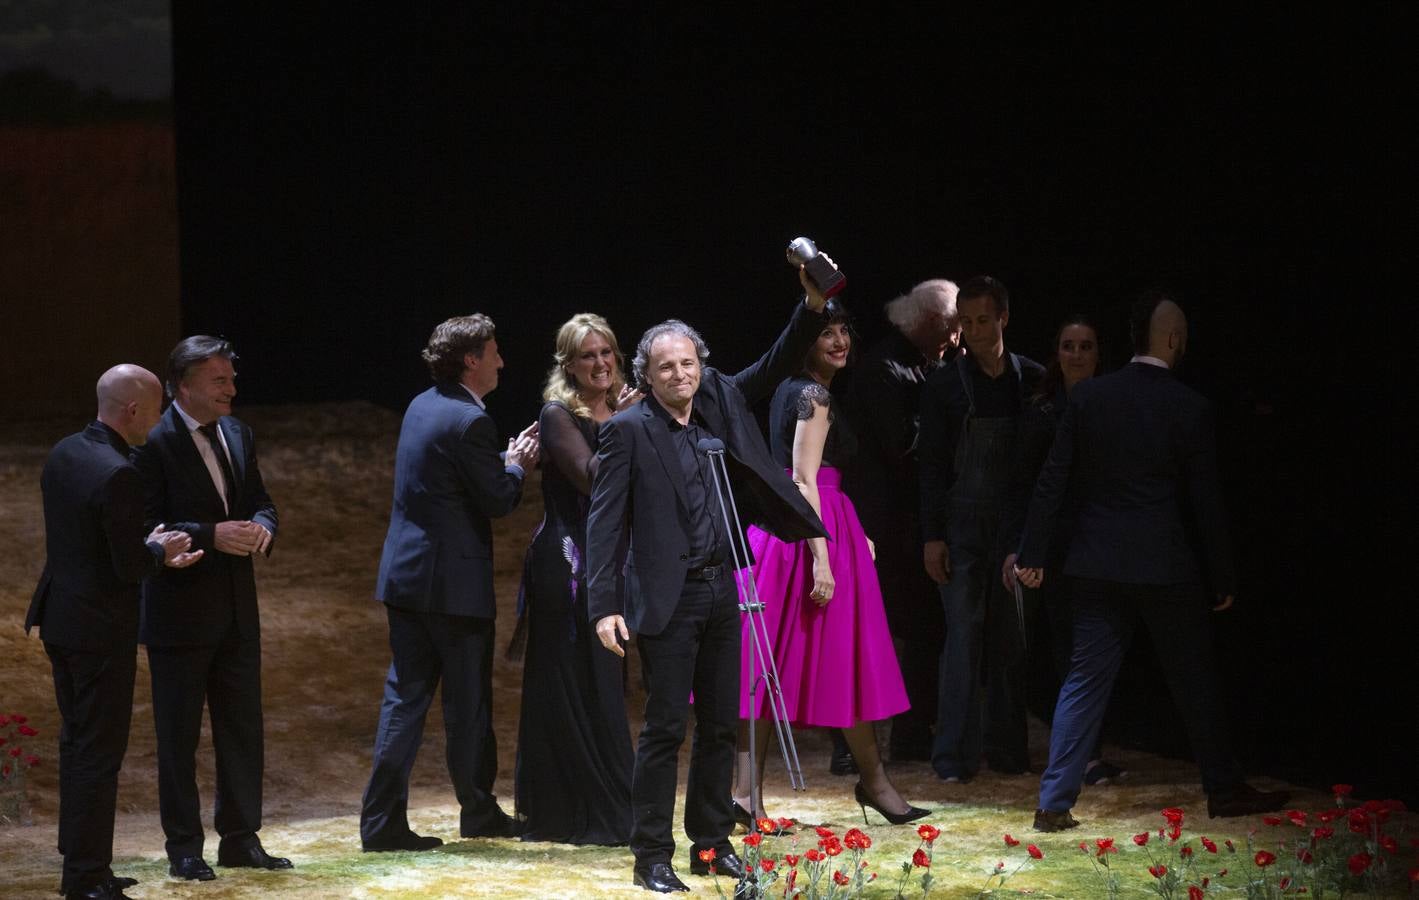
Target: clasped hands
{"x":175,"y":544}
{"x":241,"y":538}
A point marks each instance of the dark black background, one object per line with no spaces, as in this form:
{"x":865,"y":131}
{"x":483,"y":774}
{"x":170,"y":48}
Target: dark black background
{"x":347,"y":180}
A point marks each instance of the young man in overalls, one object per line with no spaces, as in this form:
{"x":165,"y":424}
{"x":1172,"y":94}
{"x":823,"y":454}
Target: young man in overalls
{"x":969,"y":413}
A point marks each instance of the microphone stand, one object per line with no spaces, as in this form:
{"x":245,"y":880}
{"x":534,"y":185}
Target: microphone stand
{"x":762,"y":670}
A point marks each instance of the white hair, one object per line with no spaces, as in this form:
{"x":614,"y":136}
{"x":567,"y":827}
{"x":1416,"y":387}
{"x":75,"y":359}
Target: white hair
{"x":934,"y":296}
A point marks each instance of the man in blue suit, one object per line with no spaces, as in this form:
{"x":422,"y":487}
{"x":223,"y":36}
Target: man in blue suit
{"x":1137,"y":445}
{"x":436,"y":582}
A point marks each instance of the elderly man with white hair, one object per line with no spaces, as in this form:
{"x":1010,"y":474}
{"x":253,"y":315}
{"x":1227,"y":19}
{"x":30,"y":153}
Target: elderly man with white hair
{"x":884,"y":402}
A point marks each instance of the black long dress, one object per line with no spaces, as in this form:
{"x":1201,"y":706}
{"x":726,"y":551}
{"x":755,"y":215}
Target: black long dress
{"x":574,"y":755}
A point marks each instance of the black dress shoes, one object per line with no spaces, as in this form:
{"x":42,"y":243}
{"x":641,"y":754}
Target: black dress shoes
{"x":104,"y":890}
{"x":252,"y":856}
{"x":410,"y":842}
{"x":193,"y":868}
{"x":1241,"y":799}
{"x":729,"y":865}
{"x":658,"y":877}
{"x":120,"y":882}
{"x":499,"y":825}
{"x":1049,"y":820}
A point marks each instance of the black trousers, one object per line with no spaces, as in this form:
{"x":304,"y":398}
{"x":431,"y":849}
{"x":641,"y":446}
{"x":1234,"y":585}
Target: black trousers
{"x":427,"y":647}
{"x":227,"y":677}
{"x":95,"y":696}
{"x":698,"y":651}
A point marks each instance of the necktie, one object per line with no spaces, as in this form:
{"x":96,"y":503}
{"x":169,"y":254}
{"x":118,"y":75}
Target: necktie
{"x":210,"y":433}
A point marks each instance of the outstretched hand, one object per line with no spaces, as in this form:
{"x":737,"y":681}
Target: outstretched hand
{"x":524,"y":449}
{"x":628,"y":396}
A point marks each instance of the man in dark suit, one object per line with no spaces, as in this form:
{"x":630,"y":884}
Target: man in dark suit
{"x":1135,"y":446}
{"x":201,"y":624}
{"x":436,"y":582}
{"x":86,"y":607}
{"x":885,"y":402}
{"x":658,"y":558}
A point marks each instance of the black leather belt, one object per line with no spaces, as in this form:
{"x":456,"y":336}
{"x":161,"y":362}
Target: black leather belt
{"x":704,"y":573}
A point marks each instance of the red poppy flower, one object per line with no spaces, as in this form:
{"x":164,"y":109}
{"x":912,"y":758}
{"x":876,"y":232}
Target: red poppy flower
{"x":832,"y":846}
{"x":1141,"y":839}
{"x":767,"y":826}
{"x":855,"y":839}
{"x":707,"y":855}
{"x":814,"y":855}
{"x":792,"y":877}
{"x":1173,"y":815}
{"x":1271,"y":820}
{"x":1322,"y":832}
{"x":791,"y":859}
{"x":786,"y":824}
{"x":1284,"y":883}
{"x":1329,"y":815}
{"x":1305,"y":856}
{"x":1011,"y":842}
{"x":1158,"y":871}
{"x":1388,"y":842}
{"x":824,"y":832}
{"x":1414,"y":875}
{"x":1342,"y":790}
{"x":1359,"y":822}
{"x":15,"y":752}
{"x":928,"y":833}
{"x":1359,"y":862}
{"x":5,"y":770}
{"x":1297,"y":818}
{"x":1186,"y":852}
{"x":1231,"y":847}
{"x":840,"y":878}
{"x":1105,"y":844}
{"x":1194,"y":892}
{"x":1035,"y":852}
{"x":1174,"y":833}
{"x":920,"y":859}
{"x":27,"y":731}
{"x":768,"y":864}
{"x":753,"y":840}
{"x":4,"y":720}
{"x":31,"y":761}
{"x":1208,"y":844}
{"x":1084,"y":846}
{"x":1264,"y":858}
{"x":18,"y":719}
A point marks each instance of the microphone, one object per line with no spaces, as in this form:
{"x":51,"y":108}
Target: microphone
{"x":710,"y":445}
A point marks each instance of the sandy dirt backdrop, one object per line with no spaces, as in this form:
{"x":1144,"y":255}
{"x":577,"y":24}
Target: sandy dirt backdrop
{"x":329,"y":468}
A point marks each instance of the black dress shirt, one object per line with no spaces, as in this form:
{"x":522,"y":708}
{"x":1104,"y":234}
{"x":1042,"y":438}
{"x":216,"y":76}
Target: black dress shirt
{"x":705,"y":517}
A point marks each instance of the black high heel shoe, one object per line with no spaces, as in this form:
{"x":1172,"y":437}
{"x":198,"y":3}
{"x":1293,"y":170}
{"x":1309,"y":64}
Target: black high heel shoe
{"x":863,"y":800}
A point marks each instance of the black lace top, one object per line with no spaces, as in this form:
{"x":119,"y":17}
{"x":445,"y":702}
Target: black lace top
{"x":795,"y":400}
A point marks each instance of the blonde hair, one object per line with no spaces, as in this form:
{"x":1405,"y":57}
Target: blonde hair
{"x":561,"y":386}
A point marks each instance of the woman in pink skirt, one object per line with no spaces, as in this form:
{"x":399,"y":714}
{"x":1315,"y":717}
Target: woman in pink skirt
{"x":822,"y":603}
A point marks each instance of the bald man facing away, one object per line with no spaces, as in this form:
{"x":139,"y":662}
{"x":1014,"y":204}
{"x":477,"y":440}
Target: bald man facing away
{"x":1133,"y":448}
{"x":86,"y":607}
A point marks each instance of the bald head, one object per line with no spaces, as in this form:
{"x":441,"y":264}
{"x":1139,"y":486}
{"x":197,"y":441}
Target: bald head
{"x":1159,"y":328}
{"x":130,"y":400}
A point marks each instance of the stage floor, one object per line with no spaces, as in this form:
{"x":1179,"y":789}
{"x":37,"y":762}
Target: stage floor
{"x":329,"y":469}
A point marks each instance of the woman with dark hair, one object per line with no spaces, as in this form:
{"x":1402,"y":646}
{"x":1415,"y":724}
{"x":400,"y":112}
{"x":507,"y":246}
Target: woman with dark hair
{"x":1076,"y":357}
{"x":574,"y":755}
{"x":823,"y":608}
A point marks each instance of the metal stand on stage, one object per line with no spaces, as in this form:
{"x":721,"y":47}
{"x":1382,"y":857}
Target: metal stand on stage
{"x":763,"y":671}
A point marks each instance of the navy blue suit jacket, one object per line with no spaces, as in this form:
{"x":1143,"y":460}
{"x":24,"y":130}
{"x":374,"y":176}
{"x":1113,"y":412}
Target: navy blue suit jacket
{"x":638,"y":524}
{"x":195,"y":606}
{"x":1134,"y":446}
{"x":449,"y":482}
{"x":95,"y":555}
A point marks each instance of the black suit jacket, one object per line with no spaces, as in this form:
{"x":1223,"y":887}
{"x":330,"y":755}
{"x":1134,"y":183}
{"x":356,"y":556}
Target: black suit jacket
{"x":638,"y":525}
{"x":1134,"y":446}
{"x":449,"y":482}
{"x":195,"y":606}
{"x":95,"y":555}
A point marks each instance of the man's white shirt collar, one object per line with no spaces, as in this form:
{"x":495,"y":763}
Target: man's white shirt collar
{"x":476,"y":399}
{"x":1149,"y":361}
{"x":191,"y":423}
